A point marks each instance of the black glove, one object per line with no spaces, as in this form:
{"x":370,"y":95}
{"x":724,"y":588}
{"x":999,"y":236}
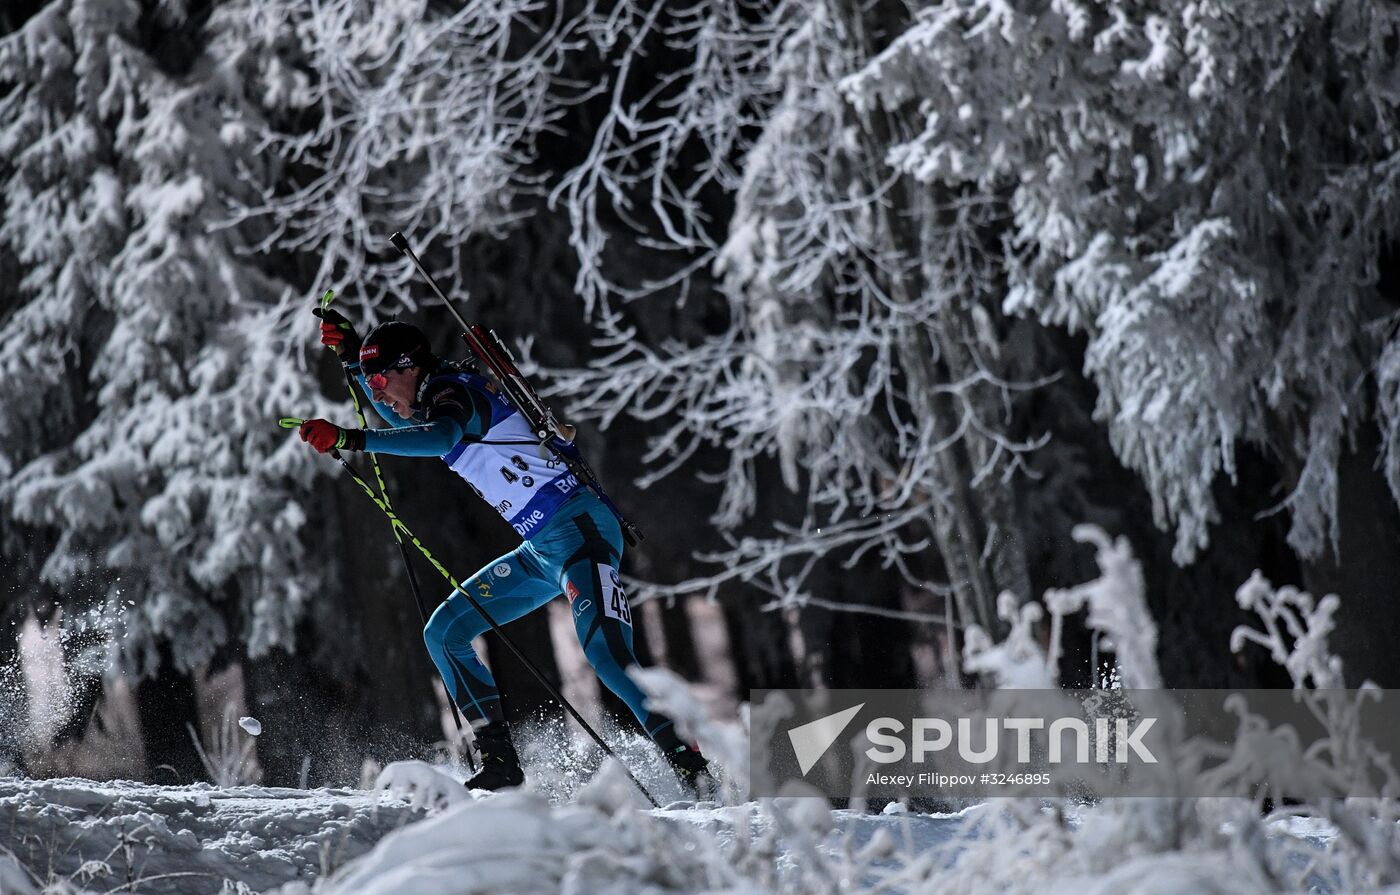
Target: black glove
{"x":338,"y":334}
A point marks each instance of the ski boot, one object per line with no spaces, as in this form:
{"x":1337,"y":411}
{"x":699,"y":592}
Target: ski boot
{"x":690,"y":766}
{"x":500,"y":766}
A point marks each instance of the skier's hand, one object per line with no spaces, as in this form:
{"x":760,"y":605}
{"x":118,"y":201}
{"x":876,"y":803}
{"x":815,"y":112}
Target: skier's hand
{"x":338,"y":333}
{"x":327,"y":436}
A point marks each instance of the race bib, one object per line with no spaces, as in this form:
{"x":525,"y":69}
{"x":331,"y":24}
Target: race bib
{"x":613,"y":597}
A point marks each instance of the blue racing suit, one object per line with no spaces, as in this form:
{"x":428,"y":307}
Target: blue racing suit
{"x":573,"y":542}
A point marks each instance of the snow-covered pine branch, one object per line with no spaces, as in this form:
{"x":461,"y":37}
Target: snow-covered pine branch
{"x":1203,"y":189}
{"x":155,"y":357}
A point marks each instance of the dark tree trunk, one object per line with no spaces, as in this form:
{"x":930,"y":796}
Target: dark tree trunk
{"x":1364,"y":576}
{"x":14,"y":698}
{"x":84,"y":681}
{"x":680,"y":641}
{"x":873,"y":653}
{"x":641,"y":644}
{"x":391,"y":700}
{"x":526,"y":700}
{"x":167,"y":708}
{"x":759,"y":640}
{"x":1083,"y":481}
{"x":814,"y":664}
{"x":855,"y":649}
{"x":1194,"y":606}
{"x":384,"y":684}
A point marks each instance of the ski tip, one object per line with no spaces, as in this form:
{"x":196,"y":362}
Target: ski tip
{"x":679,"y":805}
{"x":396,"y":238}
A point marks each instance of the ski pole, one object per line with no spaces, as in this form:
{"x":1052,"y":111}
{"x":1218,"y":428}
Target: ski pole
{"x":403,"y":548}
{"x":397,"y":523}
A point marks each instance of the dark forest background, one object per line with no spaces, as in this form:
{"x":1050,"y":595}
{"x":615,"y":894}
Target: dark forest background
{"x":171,"y":580}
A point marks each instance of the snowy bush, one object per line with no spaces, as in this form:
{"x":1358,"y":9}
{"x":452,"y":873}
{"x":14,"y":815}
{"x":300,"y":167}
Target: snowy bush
{"x":1193,"y":844}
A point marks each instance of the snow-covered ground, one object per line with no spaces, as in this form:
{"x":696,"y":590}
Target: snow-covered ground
{"x":70,"y":835}
{"x":124,"y":836}
{"x":422,"y":833}
{"x":585,"y":829}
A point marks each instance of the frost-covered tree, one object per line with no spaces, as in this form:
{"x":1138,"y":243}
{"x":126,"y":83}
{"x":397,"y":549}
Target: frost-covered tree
{"x":861,"y":354}
{"x":154,"y":357}
{"x":385,"y":117}
{"x":1207,"y":193}
{"x":169,"y":210}
{"x":1205,"y":190}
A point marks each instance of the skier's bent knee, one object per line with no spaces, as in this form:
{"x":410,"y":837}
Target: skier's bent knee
{"x":435,"y":631}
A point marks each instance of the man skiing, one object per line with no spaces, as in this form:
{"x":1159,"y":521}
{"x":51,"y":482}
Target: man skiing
{"x":572,"y":541}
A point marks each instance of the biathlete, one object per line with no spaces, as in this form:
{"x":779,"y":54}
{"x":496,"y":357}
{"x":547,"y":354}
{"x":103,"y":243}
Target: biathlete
{"x":572,"y":541}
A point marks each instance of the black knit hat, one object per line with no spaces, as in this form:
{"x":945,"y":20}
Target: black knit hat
{"x":394,"y":346}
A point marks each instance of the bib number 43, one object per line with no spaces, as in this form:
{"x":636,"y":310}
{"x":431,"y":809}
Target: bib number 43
{"x":614,"y":600}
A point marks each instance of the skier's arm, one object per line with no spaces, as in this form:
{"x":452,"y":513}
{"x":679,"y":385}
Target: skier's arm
{"x":454,"y":413}
{"x":431,"y":440}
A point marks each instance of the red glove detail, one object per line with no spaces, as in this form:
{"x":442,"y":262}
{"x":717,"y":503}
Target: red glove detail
{"x":333,"y":337}
{"x":338,"y":334}
{"x":322,"y":435}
